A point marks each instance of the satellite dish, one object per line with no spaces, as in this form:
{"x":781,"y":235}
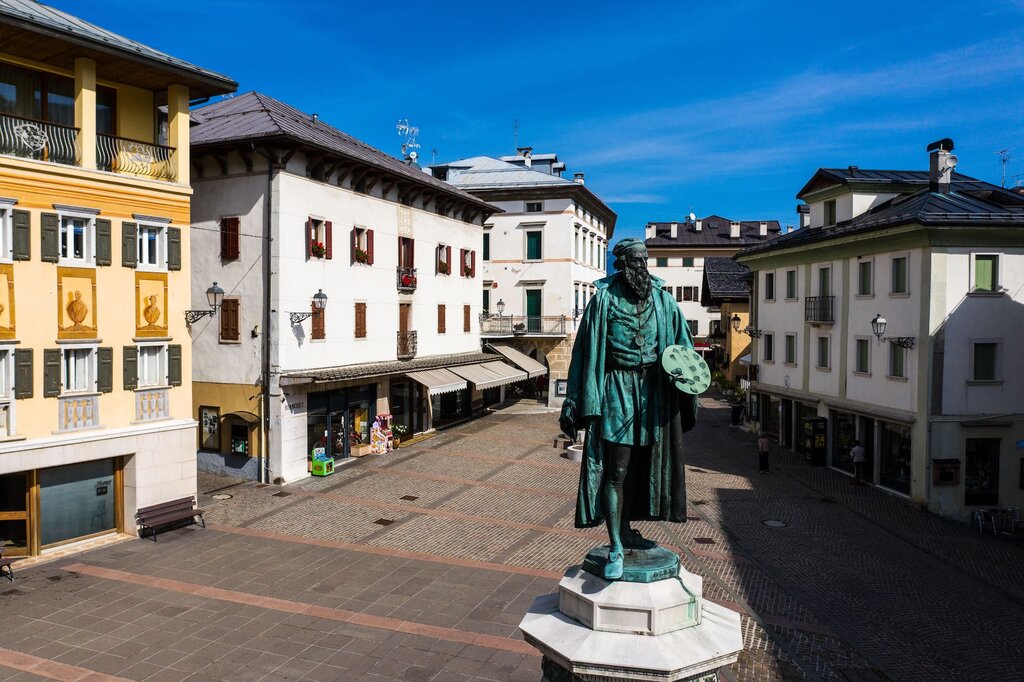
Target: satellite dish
{"x":692,"y":217}
{"x":951,"y":161}
{"x":413,"y":155}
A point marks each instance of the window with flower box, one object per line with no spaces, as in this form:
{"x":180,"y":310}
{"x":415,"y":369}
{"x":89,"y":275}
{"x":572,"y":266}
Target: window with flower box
{"x":467,"y":263}
{"x":318,"y":238}
{"x":361,"y":242}
{"x":443,"y":260}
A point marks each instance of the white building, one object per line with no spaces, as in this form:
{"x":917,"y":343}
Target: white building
{"x":286,"y":207}
{"x":935,"y":397}
{"x":541,"y":254}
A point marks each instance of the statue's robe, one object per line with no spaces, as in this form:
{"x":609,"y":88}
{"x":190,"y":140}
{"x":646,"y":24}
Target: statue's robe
{"x":655,"y":487}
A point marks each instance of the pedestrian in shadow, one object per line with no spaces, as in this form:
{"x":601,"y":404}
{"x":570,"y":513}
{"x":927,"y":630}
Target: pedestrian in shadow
{"x":859,"y":457}
{"x":762,"y":453}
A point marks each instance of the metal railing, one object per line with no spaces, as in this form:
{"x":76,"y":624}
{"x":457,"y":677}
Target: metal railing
{"x":81,"y":412}
{"x":406,"y":345}
{"x":152,"y":403}
{"x":40,"y":140}
{"x":498,"y":325}
{"x":405,"y":278}
{"x":819,"y":309}
{"x":134,"y":157}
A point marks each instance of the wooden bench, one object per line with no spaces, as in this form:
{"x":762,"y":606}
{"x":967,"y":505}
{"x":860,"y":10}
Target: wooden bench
{"x":151,"y":518}
{"x":7,"y":563}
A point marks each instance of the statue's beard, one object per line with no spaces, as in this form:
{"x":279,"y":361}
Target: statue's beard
{"x":638,"y":282}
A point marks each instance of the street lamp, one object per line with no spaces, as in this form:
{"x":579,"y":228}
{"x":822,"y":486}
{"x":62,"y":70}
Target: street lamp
{"x":319,"y":303}
{"x":878,"y":329}
{"x":215,"y":297}
{"x":878,"y":326}
{"x":748,"y":330}
{"x":501,"y":307}
{"x":735,"y":320}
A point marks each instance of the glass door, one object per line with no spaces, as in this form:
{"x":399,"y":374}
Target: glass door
{"x":14,"y":498}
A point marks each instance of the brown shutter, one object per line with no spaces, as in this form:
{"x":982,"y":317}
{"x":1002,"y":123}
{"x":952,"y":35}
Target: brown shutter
{"x":462,"y":262}
{"x":369,"y":247}
{"x":229,"y":320}
{"x":309,"y":238}
{"x":360,"y":327}
{"x":412,"y":253}
{"x":229,"y":229}
{"x":472,"y":263}
{"x":328,"y":239}
{"x":318,"y":322}
{"x":437,"y":259}
{"x":465,"y":318}
{"x":353,"y":244}
{"x":401,"y":258}
{"x":440,"y":318}
{"x":448,"y":258}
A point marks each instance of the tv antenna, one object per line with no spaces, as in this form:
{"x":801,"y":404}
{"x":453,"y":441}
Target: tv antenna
{"x":433,"y":155}
{"x":1004,"y":156}
{"x":515,"y":133}
{"x":409,"y":132}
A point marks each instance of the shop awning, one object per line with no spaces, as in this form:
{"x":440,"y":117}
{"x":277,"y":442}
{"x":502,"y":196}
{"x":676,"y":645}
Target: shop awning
{"x":745,"y":360}
{"x":490,"y":374}
{"x":520,"y":360}
{"x":438,"y":381}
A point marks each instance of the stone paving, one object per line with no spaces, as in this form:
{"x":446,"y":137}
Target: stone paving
{"x":419,"y":565}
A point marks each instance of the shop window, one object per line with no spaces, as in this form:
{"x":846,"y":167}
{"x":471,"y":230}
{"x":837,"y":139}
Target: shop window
{"x":863,"y":362}
{"x":843,"y":437}
{"x":76,"y":500}
{"x":790,"y":349}
{"x":769,"y":286}
{"x":152,"y":369}
{"x":986,"y":272}
{"x":865,"y":278}
{"x":899,"y":275}
{"x":791,"y":284}
{"x":229,"y":237}
{"x":229,"y":319}
{"x":894,"y":456}
{"x":769,"y":348}
{"x":981,"y":472}
{"x":151,"y":241}
{"x":239,"y":439}
{"x":983,"y":361}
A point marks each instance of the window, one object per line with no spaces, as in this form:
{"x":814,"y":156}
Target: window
{"x":825,"y":281}
{"x":534,"y":206}
{"x":6,"y":234}
{"x":863,"y":360}
{"x":486,"y":303}
{"x":984,"y":362}
{"x":899,"y":275}
{"x":981,"y":471}
{"x":691,"y":293}
{"x":715,"y":328}
{"x":466,"y":313}
{"x":467,"y":263}
{"x":152,"y":370}
{"x":769,"y":286}
{"x":897,"y":361}
{"x":865,"y":278}
{"x":360,"y":321}
{"x":687,"y":262}
{"x":679,"y":293}
{"x":823,"y":354}
{"x":830,"y":213}
{"x":534,"y":245}
{"x":986,"y":272}
{"x":769,"y":347}
{"x":443,"y":259}
{"x":318,"y":331}
{"x":361,"y":244}
{"x":33,"y":94}
{"x":406,"y":252}
{"x":440,"y":318}
{"x":790,"y":284}
{"x":692,"y":324}
{"x":229,"y":320}
{"x":487,"y":246}
{"x":152,"y":247}
{"x":576,"y":246}
{"x":790,"y":349}
{"x":76,"y":239}
{"x":318,"y":238}
{"x":79,"y":370}
{"x":229,"y":232}
{"x":106,"y":110}
{"x":661,"y":262}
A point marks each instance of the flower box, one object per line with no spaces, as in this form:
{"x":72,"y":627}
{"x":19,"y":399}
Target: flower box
{"x":361,"y":256}
{"x":317,"y":249}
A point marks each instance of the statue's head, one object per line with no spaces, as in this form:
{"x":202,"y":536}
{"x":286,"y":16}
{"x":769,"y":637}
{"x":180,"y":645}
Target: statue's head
{"x":631,"y":258}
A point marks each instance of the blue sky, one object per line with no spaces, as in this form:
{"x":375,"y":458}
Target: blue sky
{"x":669,"y":107}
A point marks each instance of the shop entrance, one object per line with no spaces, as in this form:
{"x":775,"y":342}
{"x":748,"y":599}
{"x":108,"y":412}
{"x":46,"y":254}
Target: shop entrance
{"x":14,"y":505}
{"x":338,"y":422}
{"x":867,"y":439}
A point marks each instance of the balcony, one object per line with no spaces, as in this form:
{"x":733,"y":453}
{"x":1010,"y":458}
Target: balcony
{"x":133,"y":157}
{"x":406,"y":345}
{"x":39,"y":140}
{"x":819,"y":309}
{"x":79,"y":412}
{"x":152,"y":403}
{"x":405,"y":279}
{"x":529,"y":325}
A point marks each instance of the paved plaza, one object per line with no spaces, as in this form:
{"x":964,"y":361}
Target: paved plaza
{"x":419,"y":565}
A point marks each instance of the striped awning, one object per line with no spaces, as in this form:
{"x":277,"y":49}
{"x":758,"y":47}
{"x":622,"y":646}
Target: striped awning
{"x":438,"y":381}
{"x":489,"y":375}
{"x":520,"y":360}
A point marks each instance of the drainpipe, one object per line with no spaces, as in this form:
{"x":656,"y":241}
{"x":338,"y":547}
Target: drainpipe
{"x":264,"y":464}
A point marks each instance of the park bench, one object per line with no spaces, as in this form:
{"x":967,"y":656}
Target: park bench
{"x":7,"y":563}
{"x":164,"y":514}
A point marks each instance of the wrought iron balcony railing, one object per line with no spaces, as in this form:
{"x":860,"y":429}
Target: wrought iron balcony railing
{"x":498,"y":325}
{"x":819,"y":309}
{"x":406,"y":345}
{"x":133,"y":157}
{"x":40,"y":140}
{"x":405,"y":278}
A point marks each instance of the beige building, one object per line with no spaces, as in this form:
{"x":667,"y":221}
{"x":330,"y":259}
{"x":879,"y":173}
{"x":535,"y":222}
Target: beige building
{"x":95,"y":395}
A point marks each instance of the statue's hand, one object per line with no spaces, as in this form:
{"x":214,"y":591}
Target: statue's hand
{"x":567,"y":420}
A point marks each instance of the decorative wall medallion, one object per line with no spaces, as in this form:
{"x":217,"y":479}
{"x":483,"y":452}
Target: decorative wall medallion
{"x":77,"y":310}
{"x":76,"y":303}
{"x":151,"y":312}
{"x":151,"y":304}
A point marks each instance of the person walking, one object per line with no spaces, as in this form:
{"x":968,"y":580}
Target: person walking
{"x":859,"y":457}
{"x":762,"y":453}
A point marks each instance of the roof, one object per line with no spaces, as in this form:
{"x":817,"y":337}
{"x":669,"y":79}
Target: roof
{"x":724,"y":280}
{"x":901,"y":180}
{"x":714,"y":232}
{"x":376,"y":369}
{"x":253,"y":116}
{"x":485,"y":172}
{"x":30,"y":16}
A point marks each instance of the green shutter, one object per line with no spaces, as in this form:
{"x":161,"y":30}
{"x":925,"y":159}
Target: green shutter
{"x":51,"y":372}
{"x":103,"y":242}
{"x":174,"y":365}
{"x":174,"y":248}
{"x":129,"y":247}
{"x":49,"y":244}
{"x":105,"y":370}
{"x":985,"y":273}
{"x":22,"y":235}
{"x":23,"y":373}
{"x":131,"y":368}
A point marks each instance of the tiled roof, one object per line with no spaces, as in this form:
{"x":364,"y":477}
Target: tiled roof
{"x":902,"y":180}
{"x":714,"y":233}
{"x":376,"y":369}
{"x":725,"y":279}
{"x":254,"y":115}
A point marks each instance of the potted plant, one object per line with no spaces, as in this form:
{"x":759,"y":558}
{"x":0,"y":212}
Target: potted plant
{"x":399,"y":431}
{"x":442,"y":268}
{"x":317,"y":249}
{"x":519,"y":328}
{"x":361,"y":256}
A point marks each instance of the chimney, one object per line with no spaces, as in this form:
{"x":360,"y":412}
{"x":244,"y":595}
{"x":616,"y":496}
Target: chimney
{"x":578,"y":178}
{"x":763,"y":229}
{"x":698,"y":225}
{"x":316,"y":117}
{"x":527,"y":154}
{"x":940,"y":165}
{"x":804,"y":213}
{"x":734,"y":230}
{"x":649,"y":231}
{"x":674,"y":230}
{"x":789,"y":228}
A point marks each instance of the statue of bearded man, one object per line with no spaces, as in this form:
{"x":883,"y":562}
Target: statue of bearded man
{"x":634,"y":417}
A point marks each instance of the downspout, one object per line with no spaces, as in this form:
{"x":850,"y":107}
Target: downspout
{"x":264,"y":464}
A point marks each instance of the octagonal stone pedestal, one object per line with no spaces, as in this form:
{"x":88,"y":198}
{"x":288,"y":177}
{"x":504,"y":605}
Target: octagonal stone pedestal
{"x":595,"y":630}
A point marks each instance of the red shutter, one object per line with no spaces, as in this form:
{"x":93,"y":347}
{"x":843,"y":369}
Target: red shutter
{"x":472,"y":263}
{"x":465,"y":318}
{"x":309,"y":238}
{"x":328,"y":239}
{"x":369,"y":247}
{"x":462,"y":262}
{"x":437,"y":259}
{"x":352,"y":237}
{"x":412,"y":253}
{"x":440,"y":318}
{"x":448,"y":258}
{"x":233,"y":234}
{"x":229,"y":238}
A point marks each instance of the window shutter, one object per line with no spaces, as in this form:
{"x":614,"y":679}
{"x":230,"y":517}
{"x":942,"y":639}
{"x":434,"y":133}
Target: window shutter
{"x":229,"y":320}
{"x":369,"y":247}
{"x":448,"y":258}
{"x":472,"y":263}
{"x":437,"y":259}
{"x":462,"y":262}
{"x":318,"y":322}
{"x":174,"y":248}
{"x":103,"y":242}
{"x":131,"y":368}
{"x":465,"y":318}
{"x":440,"y":318}
{"x":328,"y":239}
{"x":309,"y":238}
{"x":105,"y":370}
{"x":23,"y":373}
{"x":229,"y":228}
{"x":412,"y":253}
{"x":353,"y":239}
{"x":51,"y":372}
{"x":129,"y":250}
{"x":49,"y":242}
{"x":174,"y":365}
{"x":22,"y":235}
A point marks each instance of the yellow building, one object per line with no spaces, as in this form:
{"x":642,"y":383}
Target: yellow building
{"x":725,"y":292}
{"x":95,"y":362}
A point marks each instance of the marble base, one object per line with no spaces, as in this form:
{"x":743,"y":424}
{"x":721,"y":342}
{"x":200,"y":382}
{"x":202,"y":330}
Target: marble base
{"x":639,"y":565}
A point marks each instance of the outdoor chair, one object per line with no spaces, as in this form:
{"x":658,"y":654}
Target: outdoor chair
{"x":985,"y":517}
